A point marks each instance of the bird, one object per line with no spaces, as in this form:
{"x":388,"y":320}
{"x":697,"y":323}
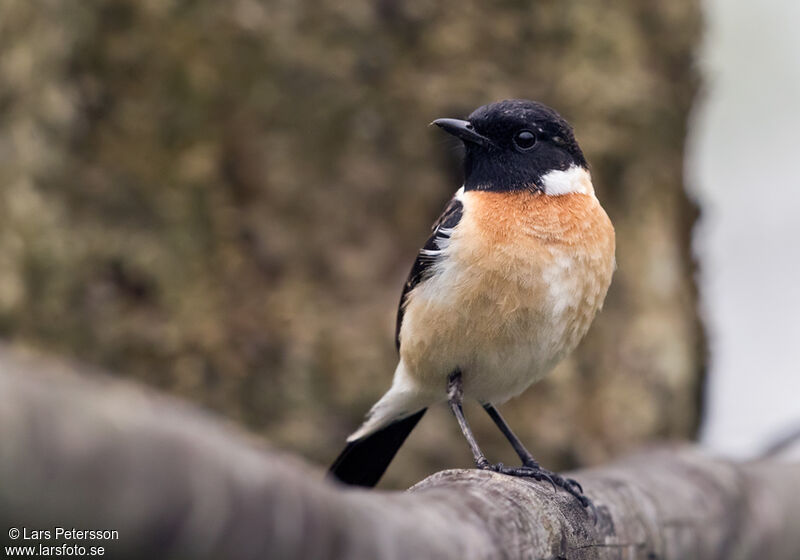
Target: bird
{"x":506,"y":285}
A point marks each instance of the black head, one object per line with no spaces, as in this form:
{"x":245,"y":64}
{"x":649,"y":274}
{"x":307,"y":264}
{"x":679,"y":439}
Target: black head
{"x":512,"y":144}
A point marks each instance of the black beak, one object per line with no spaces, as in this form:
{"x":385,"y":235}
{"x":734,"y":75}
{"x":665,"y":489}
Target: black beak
{"x":463,"y":130}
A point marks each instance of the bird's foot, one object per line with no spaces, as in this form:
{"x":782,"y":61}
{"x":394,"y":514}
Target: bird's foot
{"x":536,"y":472}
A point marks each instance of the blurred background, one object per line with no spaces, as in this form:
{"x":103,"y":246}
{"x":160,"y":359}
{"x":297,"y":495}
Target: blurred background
{"x":222,"y":200}
{"x":741,"y":168}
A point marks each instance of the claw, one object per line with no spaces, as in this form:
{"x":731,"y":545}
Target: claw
{"x":549,"y":479}
{"x":575,"y":483}
{"x":587,"y":503}
{"x":569,"y":485}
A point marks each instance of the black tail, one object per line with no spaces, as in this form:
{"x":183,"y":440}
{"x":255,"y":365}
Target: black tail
{"x":363,"y":462}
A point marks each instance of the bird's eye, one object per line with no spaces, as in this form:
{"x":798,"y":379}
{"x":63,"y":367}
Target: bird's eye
{"x":524,"y":140}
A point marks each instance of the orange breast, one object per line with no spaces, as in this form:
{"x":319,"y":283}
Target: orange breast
{"x":522,"y":277}
{"x":570,"y":219}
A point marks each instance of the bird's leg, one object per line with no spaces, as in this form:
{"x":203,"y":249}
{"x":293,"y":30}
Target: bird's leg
{"x":524,"y":455}
{"x":531,"y":467}
{"x":455,"y":397}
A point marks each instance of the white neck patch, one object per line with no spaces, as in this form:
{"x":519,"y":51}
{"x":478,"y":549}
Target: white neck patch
{"x":574,"y":180}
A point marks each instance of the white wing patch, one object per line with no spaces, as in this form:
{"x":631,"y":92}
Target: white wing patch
{"x":442,"y":234}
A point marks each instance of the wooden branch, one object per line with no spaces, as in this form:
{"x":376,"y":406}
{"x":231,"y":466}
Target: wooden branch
{"x":94,"y":453}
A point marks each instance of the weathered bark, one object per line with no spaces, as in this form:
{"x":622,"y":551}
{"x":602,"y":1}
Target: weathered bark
{"x":175,"y":483}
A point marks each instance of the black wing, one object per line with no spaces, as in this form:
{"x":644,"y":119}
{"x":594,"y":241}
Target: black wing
{"x":428,"y":255}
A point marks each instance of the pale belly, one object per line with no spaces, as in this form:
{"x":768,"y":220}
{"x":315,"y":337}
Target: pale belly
{"x":504,"y":320}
